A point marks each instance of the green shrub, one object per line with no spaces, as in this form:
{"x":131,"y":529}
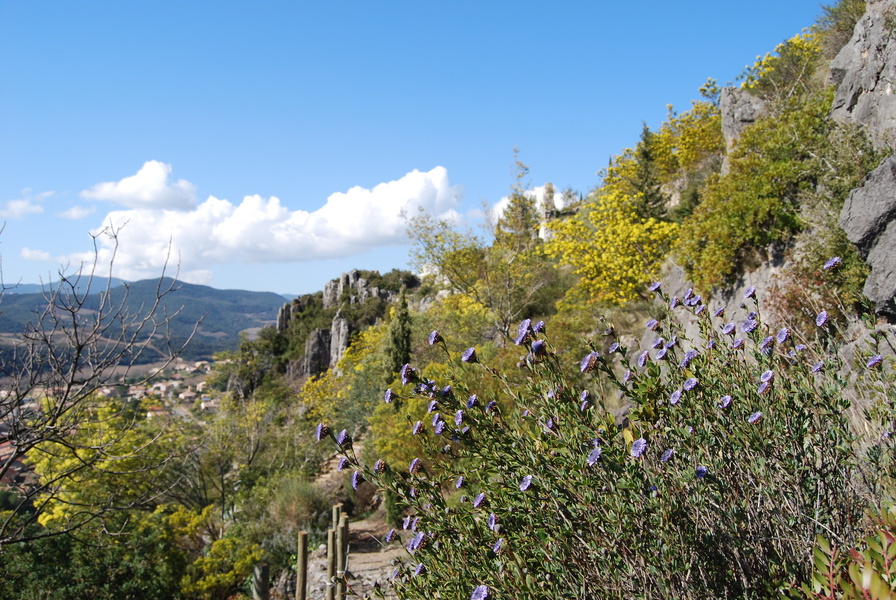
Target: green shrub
{"x":736,"y":454}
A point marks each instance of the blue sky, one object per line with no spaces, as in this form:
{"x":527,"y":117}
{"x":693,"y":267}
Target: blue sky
{"x":272,"y":145}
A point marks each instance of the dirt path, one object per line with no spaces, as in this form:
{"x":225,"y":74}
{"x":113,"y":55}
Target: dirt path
{"x":369,"y":562}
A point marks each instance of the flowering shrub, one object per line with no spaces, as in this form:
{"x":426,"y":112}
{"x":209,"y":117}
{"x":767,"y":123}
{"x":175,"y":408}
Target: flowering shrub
{"x":735,"y":455}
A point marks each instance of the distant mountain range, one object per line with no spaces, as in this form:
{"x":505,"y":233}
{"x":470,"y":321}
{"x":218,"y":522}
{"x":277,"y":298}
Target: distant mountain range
{"x":223,"y":313}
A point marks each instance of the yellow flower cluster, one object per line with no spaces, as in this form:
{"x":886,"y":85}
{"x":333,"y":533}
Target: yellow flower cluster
{"x":615,"y":252}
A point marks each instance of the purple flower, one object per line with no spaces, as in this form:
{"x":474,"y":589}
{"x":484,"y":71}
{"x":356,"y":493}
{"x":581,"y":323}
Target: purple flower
{"x":765,"y":346}
{"x":538,"y":348}
{"x":589,"y":362}
{"x":493,"y":521}
{"x":343,"y":463}
{"x":469,"y":356}
{"x":763,"y":387}
{"x":719,"y":311}
{"x":673,"y":302}
{"x":754,"y":418}
{"x":638,"y":447}
{"x":724,"y":401}
{"x":343,"y":438}
{"x":433,"y":404}
{"x":626,"y":376}
{"x":390,"y":536}
{"x":524,"y":333}
{"x":499,"y":546}
{"x":491,"y":406}
{"x":701,"y":472}
{"x":652,"y":324}
{"x":389,"y":396}
{"x":675,"y":397}
{"x":661,"y":353}
{"x":321,"y":431}
{"x":407,"y":374}
{"x":439,"y":428}
{"x":767,"y":376}
{"x":406,"y":524}
{"x":584,"y":406}
{"x":689,"y":384}
{"x":667,"y":455}
{"x":642,"y":359}
{"x":782,"y":335}
{"x":688,"y":357}
{"x":749,"y":325}
{"x":658,"y":342}
{"x":584,"y":395}
{"x":420,"y":570}
{"x":538,"y":327}
{"x":750,"y":292}
{"x":526,"y":483}
{"x":417,"y":541}
{"x":738,"y":343}
{"x":478,"y":500}
{"x":357,"y":478}
{"x":874,"y":361}
{"x":434,"y":338}
{"x":471,"y":401}
{"x":481,"y":591}
{"x":379,"y":466}
{"x":832,"y":263}
{"x":699,"y":309}
{"x":821,"y":319}
{"x":799,"y":347}
{"x":594,"y":456}
{"x":436,"y":418}
{"x":817,"y":367}
{"x":655,"y":286}
{"x":414,"y":466}
{"x":671,"y":342}
{"x":614,"y":347}
{"x":728,"y":328}
{"x":459,"y":418}
{"x":417,"y":429}
{"x":711,"y":343}
{"x":459,"y":482}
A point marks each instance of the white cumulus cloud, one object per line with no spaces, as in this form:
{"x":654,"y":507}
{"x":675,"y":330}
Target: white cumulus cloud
{"x":264,"y":230}
{"x":76,"y":212}
{"x":29,"y":204}
{"x":149,"y":188}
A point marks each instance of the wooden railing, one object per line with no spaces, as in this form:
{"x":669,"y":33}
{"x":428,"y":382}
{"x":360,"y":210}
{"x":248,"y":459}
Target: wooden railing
{"x":337,"y":563}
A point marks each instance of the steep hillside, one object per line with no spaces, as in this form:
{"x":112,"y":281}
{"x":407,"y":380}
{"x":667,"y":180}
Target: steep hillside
{"x":221,"y":314}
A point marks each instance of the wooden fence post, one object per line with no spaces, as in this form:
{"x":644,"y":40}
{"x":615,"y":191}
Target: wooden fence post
{"x":341,"y":544}
{"x":302,"y":567}
{"x":331,"y":564}
{"x":260,"y":583}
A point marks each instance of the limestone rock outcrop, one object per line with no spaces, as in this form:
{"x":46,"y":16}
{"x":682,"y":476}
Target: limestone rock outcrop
{"x":739,"y":109}
{"x":359,"y":290}
{"x":869,"y":220}
{"x":864,"y":72}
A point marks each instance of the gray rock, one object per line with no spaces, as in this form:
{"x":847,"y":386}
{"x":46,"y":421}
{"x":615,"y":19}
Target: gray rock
{"x":864,"y":72}
{"x":880,"y":287}
{"x":317,"y":353}
{"x":340,"y":331}
{"x":869,"y":209}
{"x":739,"y":109}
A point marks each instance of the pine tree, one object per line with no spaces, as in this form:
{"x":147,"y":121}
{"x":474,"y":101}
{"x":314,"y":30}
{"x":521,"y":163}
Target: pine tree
{"x":399,"y":337}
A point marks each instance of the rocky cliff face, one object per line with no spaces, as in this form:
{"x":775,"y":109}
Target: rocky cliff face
{"x":325,"y":346}
{"x":864,"y":72}
{"x":739,"y":109}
